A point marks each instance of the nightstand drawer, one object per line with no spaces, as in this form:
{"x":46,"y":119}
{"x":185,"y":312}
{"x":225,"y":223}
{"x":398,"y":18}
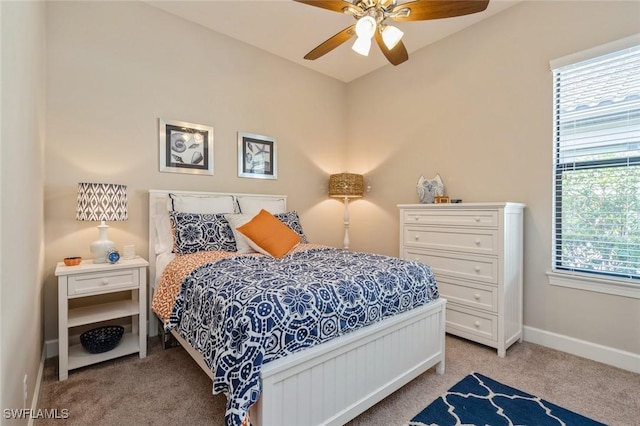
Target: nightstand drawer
{"x":103,"y":282}
{"x":473,"y":295}
{"x":470,"y":241}
{"x":452,"y":217}
{"x":461,"y":322}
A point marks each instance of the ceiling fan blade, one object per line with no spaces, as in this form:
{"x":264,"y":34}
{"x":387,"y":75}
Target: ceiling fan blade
{"x":331,"y":43}
{"x":422,"y":10}
{"x":397,"y":55}
{"x":335,"y":5}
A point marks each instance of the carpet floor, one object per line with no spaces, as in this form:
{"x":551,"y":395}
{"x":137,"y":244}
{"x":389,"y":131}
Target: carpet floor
{"x":168,"y":387}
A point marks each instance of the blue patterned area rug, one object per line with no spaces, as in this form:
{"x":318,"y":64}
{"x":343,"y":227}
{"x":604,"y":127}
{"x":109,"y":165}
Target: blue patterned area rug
{"x":479,"y":400}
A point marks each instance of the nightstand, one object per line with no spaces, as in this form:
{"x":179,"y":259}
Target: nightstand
{"x":92,"y":279}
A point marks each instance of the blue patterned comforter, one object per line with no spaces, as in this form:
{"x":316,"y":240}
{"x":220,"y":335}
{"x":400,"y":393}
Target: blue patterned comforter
{"x":244,"y":311}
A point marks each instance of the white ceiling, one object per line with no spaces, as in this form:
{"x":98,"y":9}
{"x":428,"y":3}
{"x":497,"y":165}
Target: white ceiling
{"x":290,"y":29}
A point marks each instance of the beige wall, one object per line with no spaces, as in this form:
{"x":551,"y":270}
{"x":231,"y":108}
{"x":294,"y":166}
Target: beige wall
{"x":21,"y":188}
{"x":477,"y":108}
{"x":114,"y":68}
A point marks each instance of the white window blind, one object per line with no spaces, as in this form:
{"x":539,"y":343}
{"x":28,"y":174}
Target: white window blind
{"x":597,"y":163}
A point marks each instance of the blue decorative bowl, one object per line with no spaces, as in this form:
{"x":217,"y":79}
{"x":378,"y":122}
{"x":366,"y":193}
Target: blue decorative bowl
{"x":101,"y":339}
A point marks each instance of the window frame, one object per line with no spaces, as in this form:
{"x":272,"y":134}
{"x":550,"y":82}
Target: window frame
{"x":564,"y":276}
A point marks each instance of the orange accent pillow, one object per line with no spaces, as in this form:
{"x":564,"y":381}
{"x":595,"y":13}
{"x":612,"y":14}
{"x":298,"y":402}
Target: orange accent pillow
{"x":267,"y":235}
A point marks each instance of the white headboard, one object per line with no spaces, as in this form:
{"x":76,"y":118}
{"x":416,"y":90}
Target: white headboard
{"x":158,"y":210}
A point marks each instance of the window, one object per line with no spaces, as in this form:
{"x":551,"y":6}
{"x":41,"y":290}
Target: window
{"x":597,"y":162}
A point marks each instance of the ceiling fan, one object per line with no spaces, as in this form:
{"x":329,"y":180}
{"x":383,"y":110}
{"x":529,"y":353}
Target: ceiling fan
{"x":371,"y":23}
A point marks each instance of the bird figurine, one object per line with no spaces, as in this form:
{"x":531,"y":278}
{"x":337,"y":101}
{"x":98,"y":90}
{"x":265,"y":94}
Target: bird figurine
{"x":428,"y":189}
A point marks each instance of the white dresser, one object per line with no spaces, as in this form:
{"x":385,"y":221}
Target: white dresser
{"x":475,"y":252}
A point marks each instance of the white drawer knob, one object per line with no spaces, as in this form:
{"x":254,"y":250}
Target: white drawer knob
{"x":416,"y":218}
{"x":478,"y":242}
{"x":105,"y":281}
{"x":477,"y":324}
{"x":477,"y":296}
{"x":417,"y":237}
{"x":477,"y":219}
{"x":477,"y":269}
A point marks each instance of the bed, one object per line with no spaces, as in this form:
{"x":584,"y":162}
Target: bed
{"x":329,"y":382}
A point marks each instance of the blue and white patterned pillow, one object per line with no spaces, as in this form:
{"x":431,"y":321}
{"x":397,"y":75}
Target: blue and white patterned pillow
{"x":292,"y":220}
{"x":195,"y":232}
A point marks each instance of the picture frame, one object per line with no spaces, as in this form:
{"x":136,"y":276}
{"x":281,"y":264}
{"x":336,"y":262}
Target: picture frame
{"x":185,"y":147}
{"x":257,"y":156}
{"x":441,"y":199}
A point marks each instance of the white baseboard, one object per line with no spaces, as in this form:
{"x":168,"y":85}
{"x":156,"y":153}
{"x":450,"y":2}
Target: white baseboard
{"x":51,"y":348}
{"x":36,"y":390}
{"x":593,"y":351}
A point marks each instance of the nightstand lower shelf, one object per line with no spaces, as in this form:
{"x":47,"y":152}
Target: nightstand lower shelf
{"x":79,"y":357}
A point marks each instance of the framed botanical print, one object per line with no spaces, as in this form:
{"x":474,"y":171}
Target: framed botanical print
{"x":185,"y":147}
{"x":257,"y":156}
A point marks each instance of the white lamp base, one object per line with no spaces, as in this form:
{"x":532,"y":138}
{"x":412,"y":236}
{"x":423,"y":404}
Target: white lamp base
{"x":346,"y":241}
{"x":100,"y":247}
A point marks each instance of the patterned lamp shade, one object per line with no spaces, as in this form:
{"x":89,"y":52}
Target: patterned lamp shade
{"x":102,"y":202}
{"x":346,"y":185}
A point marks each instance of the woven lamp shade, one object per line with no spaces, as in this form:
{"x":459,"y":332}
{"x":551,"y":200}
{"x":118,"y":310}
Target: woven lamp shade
{"x":346,"y":185}
{"x":101,"y":201}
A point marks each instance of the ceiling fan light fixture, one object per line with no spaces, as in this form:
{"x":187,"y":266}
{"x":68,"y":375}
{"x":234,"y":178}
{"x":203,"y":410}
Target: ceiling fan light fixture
{"x":352,"y":10}
{"x":391,"y":36}
{"x":366,"y":27}
{"x":362,"y":45}
{"x":372,"y":14}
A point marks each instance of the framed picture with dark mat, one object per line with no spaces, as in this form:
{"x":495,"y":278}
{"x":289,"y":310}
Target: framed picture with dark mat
{"x":185,"y":147}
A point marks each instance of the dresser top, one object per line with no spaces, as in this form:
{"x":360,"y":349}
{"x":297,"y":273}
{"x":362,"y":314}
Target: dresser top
{"x":462,"y":206}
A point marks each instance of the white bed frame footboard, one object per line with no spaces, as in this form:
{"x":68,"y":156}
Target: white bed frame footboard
{"x":334,"y":382}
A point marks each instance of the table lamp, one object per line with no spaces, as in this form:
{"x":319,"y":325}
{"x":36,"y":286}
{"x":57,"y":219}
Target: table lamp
{"x":101,"y":202}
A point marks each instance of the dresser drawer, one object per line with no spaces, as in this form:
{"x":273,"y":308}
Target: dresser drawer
{"x":103,"y":282}
{"x":473,"y":295}
{"x":471,"y":241}
{"x":467,"y":267}
{"x":463,"y":322}
{"x":454,"y":217}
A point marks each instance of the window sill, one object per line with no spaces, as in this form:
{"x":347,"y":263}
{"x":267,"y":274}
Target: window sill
{"x":609,"y":285}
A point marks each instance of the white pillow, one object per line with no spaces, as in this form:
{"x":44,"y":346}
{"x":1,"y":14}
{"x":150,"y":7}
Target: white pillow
{"x":253,"y":205}
{"x":159,"y":211}
{"x":203,"y":204}
{"x":164,"y":234}
{"x":236,"y":221}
